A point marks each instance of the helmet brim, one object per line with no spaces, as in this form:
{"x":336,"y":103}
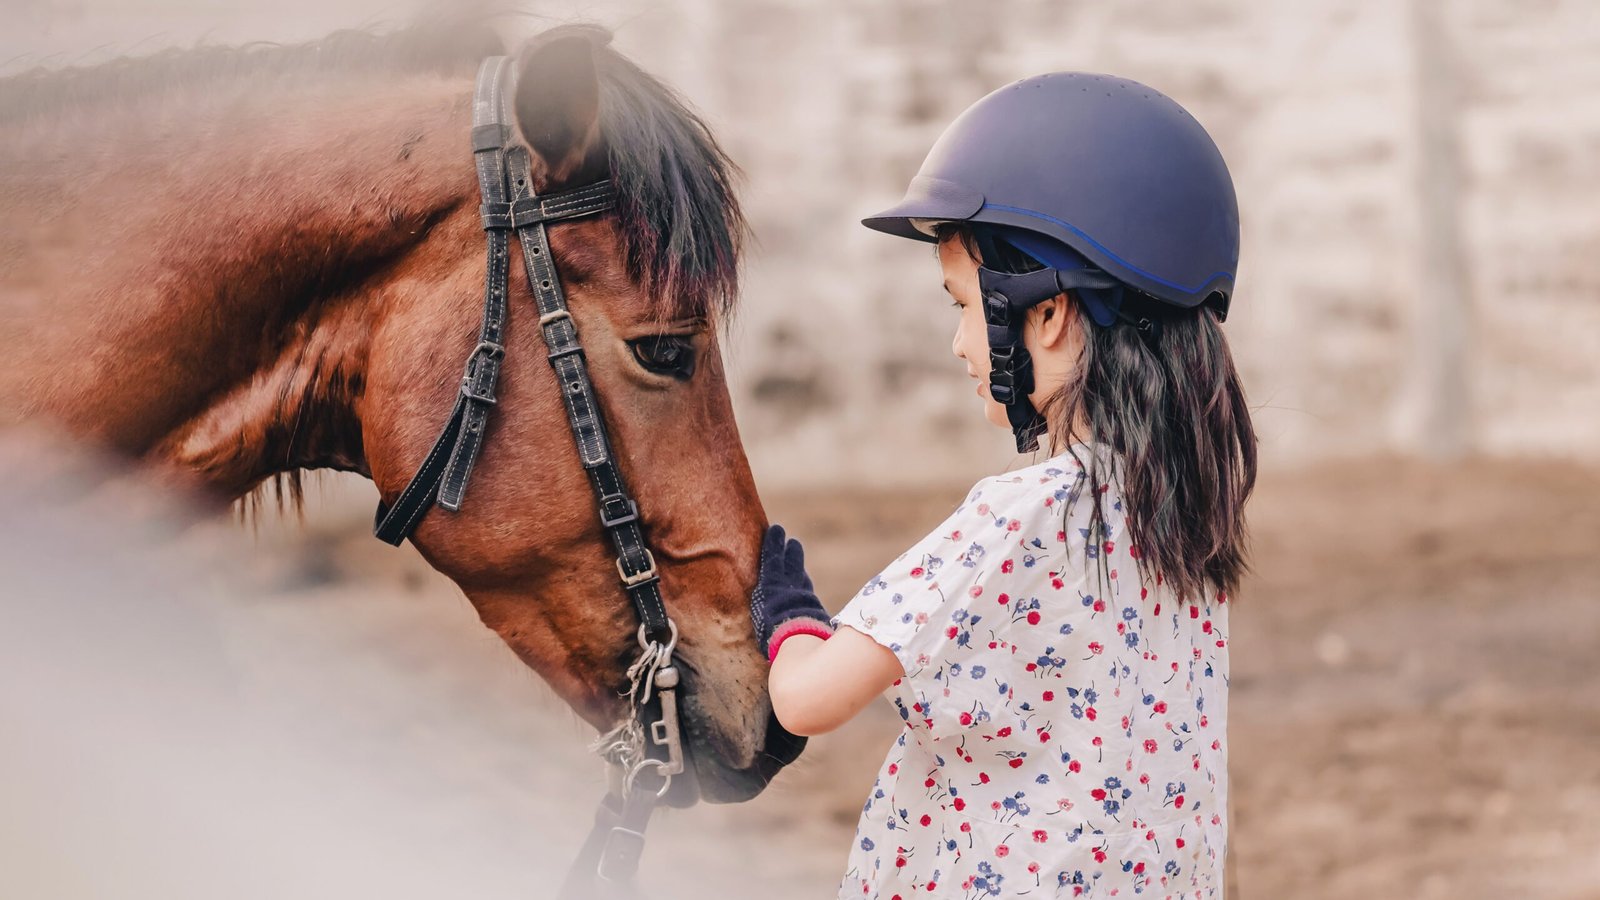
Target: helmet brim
{"x":926,"y":200}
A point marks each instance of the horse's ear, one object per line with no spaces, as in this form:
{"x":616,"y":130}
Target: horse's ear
{"x":558,"y":108}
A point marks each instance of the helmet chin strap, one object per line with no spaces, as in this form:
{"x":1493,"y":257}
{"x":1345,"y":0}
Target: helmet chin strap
{"x":1006,"y":301}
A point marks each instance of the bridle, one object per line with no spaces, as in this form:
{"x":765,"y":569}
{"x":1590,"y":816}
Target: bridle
{"x":646,"y":745}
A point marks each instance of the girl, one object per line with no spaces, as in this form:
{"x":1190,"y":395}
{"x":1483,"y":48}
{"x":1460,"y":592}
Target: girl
{"x":1057,"y":647}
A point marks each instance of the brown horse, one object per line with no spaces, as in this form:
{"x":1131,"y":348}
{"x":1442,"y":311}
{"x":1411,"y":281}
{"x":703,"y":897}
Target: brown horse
{"x":237,"y":264}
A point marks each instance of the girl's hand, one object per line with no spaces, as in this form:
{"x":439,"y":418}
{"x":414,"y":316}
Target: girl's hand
{"x":824,"y":679}
{"x":784,"y":603}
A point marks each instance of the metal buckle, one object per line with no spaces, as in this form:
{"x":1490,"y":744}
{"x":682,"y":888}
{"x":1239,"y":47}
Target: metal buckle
{"x":649,"y":574}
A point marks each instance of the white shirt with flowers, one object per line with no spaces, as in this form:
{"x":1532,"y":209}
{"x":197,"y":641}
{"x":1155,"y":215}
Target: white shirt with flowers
{"x":1060,"y":739}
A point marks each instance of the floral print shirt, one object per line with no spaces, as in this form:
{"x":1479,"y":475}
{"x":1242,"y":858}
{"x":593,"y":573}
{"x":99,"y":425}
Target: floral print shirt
{"x":1064,"y":723}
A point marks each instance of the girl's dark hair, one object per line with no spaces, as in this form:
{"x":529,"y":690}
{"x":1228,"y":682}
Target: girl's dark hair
{"x":1173,"y":410}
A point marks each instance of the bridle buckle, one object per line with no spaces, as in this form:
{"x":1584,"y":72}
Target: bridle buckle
{"x":649,"y":573}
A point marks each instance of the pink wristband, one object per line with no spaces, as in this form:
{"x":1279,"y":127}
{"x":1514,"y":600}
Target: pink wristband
{"x":792,"y":627}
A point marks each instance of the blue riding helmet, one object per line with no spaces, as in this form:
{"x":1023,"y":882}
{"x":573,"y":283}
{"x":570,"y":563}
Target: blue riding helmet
{"x":1106,"y":182}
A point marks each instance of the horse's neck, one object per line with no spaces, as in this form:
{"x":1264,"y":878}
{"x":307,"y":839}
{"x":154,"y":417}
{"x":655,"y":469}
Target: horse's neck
{"x":189,"y":282}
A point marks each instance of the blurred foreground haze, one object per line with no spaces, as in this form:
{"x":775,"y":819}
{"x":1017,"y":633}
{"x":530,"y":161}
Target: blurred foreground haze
{"x":189,"y":708}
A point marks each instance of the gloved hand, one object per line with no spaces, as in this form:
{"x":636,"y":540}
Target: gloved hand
{"x":784,"y":603}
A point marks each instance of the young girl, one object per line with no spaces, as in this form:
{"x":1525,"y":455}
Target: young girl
{"x":1057,"y":647}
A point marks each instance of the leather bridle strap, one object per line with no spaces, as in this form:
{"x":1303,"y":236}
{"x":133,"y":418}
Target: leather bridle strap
{"x":649,"y":742}
{"x":619,"y":515}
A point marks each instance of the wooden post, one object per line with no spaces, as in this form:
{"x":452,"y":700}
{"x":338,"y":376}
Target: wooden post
{"x":1439,"y":419}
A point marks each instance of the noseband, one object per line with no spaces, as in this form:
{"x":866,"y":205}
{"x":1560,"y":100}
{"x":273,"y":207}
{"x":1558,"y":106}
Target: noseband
{"x":646,"y":746}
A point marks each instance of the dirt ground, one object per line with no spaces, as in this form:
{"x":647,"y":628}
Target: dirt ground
{"x":1415,"y":708}
{"x":1415,"y":699}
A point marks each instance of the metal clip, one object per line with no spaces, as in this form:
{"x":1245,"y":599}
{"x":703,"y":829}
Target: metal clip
{"x":664,"y":732}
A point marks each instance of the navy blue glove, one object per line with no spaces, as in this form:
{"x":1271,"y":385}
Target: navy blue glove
{"x":784,"y":603}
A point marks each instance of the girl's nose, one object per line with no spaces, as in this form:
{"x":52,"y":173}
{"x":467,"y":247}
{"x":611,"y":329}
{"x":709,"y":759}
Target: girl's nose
{"x":955,"y":344}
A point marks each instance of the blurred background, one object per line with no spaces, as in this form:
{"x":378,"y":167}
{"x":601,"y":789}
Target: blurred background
{"x":1416,"y":711}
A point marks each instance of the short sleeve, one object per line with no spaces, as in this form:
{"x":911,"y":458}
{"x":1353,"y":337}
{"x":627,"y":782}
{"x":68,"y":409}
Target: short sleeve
{"x":907,"y":607}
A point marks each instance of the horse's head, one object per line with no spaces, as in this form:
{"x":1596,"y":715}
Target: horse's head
{"x":648,"y":285}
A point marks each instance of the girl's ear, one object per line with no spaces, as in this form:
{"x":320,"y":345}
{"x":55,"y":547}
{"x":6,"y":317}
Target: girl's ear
{"x":1052,"y":321}
{"x":558,"y":110}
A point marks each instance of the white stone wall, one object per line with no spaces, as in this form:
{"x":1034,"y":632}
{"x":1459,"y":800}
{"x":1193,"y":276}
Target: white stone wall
{"x":840,"y":357}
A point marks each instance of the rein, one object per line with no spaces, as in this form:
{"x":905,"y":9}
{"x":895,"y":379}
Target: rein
{"x":645,"y":750}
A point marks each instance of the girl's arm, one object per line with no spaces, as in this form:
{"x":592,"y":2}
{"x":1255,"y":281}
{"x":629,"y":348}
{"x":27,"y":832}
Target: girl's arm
{"x":818,"y":685}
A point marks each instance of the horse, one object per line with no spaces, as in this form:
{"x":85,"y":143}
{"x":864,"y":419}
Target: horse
{"x":234,"y":265}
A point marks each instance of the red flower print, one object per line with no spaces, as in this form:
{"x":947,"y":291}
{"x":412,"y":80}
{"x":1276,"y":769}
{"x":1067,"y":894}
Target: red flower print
{"x":1099,"y":855}
{"x":917,"y":572}
{"x":1007,"y":566}
{"x":929,"y":783}
{"x":1057,"y":583}
{"x":952,"y":631}
{"x":1033,"y":868}
{"x":1134,"y":551}
{"x":1001,"y":850}
{"x":1149,"y":745}
{"x":1100,"y":605}
{"x":1160,"y":707}
{"x":1177,"y":801}
{"x":1074,"y":766}
{"x":966,"y":718}
{"x":966,"y":827}
{"x":1040,"y":836}
{"x":926,"y":820}
{"x":893,"y":768}
{"x":1013,"y":525}
{"x":959,"y":804}
{"x":932,"y":885}
{"x":983,"y":777}
{"x":1044,"y":737}
{"x":1049,"y":695}
{"x":1004,"y":732}
{"x":976,"y":590}
{"x":1016,"y":763}
{"x":1033,"y":618}
{"x":1109,"y":546}
{"x":1206,"y":626}
{"x":1194,"y":612}
{"x":1095,"y":647}
{"x":1090,"y":714}
{"x":1003,"y":599}
{"x":1179,"y":842}
{"x":1098,"y":793}
{"x":955,"y":535}
{"x":1138,"y":868}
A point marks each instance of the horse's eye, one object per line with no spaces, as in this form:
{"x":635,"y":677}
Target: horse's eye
{"x":666,"y":354}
